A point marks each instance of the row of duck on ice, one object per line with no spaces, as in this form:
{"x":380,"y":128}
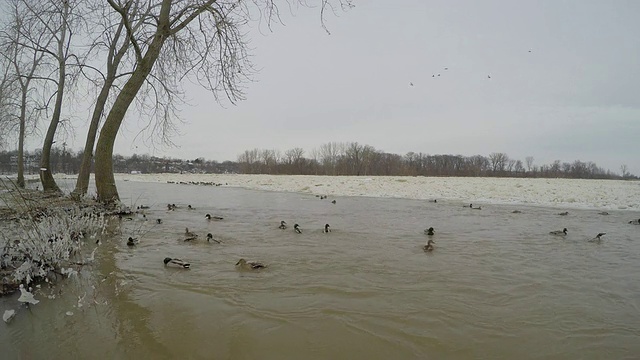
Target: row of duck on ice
{"x":206,"y":183}
{"x":255,"y":265}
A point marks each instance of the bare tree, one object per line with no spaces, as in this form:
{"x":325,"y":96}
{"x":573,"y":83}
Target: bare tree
{"x":249,"y":161}
{"x":518,"y":168}
{"x":294,"y":158}
{"x":369,"y":158}
{"x":114,"y":45}
{"x":21,"y":42}
{"x":389,"y":164}
{"x":529,"y":161}
{"x":354,"y":157}
{"x":411,"y":161}
{"x":624,"y":170}
{"x":57,"y":20}
{"x":555,"y":168}
{"x":269,"y":159}
{"x":479,"y":165}
{"x":498,"y":162}
{"x":205,"y":42}
{"x":315,"y":160}
{"x":7,"y":88}
{"x":329,"y":154}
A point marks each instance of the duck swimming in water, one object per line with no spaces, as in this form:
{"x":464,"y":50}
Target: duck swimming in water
{"x":296,"y":227}
{"x":188,"y":235}
{"x":176,"y":262}
{"x":158,"y":221}
{"x":603,"y":213}
{"x":333,"y":201}
{"x":516,"y":212}
{"x":210,"y":238}
{"x":190,"y":208}
{"x":132,"y":241}
{"x":635,"y":222}
{"x":429,"y":231}
{"x":250,"y":265}
{"x":326,"y":228}
{"x":598,"y":237}
{"x":562,"y":232}
{"x":209,"y":217}
{"x":429,"y":247}
{"x":283,"y":225}
{"x":563,"y":213}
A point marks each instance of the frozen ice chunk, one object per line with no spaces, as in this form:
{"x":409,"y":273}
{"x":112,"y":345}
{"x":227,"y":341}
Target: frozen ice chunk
{"x":26,"y":296}
{"x":8,"y":315}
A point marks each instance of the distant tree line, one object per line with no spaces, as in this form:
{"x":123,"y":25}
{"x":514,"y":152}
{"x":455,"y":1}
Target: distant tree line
{"x":69,"y":162}
{"x":352,"y":158}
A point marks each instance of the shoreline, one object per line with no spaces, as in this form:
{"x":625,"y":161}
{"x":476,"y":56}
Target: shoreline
{"x":556,"y":193}
{"x":565,"y":193}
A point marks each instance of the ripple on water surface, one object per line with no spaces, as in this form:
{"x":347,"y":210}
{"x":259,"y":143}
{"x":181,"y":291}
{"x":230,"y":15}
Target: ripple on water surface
{"x":497,"y":284}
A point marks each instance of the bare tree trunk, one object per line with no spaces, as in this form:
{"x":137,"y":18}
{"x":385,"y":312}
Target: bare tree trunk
{"x":23,"y":119}
{"x":82,"y":184}
{"x":113,"y":62}
{"x":105,"y":181}
{"x":46,"y":176}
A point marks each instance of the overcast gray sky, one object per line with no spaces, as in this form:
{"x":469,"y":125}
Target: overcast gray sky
{"x":564,"y":83}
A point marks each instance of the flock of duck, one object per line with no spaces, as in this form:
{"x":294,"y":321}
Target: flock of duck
{"x":430,"y":231}
{"x":598,"y":237}
{"x":191,"y":236}
{"x":243,"y":264}
{"x":296,"y":227}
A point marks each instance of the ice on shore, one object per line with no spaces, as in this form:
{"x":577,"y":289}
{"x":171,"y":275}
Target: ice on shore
{"x":26,"y":296}
{"x":8,"y":315}
{"x":565,"y":193}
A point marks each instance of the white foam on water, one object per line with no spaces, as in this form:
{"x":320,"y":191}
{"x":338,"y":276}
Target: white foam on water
{"x":8,"y":315}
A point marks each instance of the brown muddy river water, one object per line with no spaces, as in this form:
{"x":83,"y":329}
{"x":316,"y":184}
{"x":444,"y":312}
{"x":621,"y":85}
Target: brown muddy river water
{"x":497,"y":285}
